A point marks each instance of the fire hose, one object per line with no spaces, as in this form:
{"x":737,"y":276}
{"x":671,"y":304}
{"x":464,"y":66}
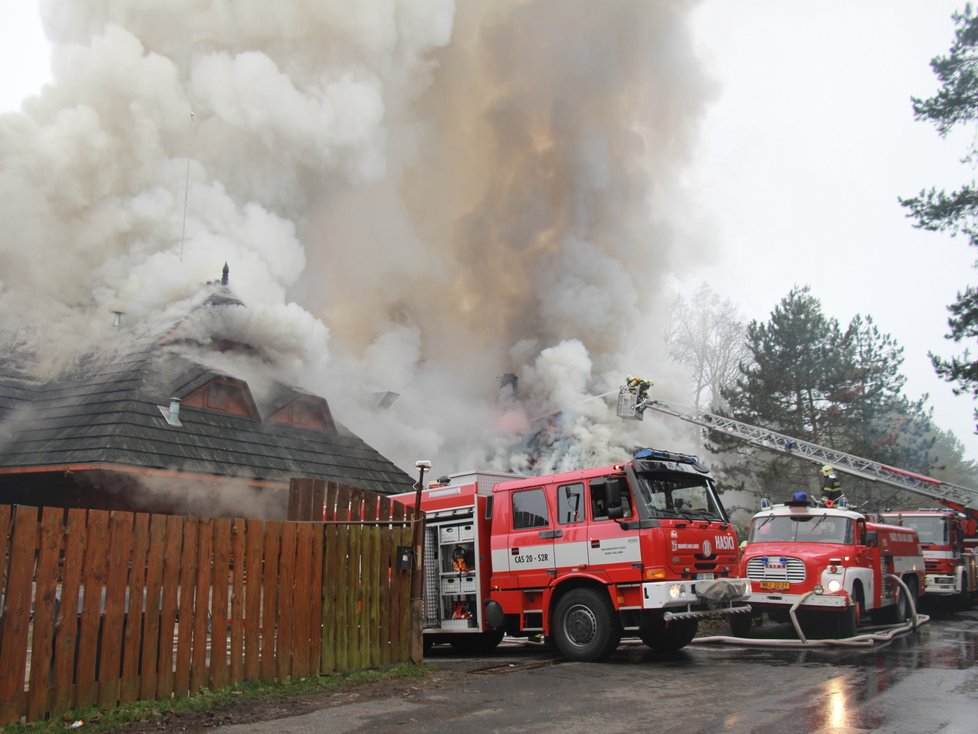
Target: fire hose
{"x":883,"y":634}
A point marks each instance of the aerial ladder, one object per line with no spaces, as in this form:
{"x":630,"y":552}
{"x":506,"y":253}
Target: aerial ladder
{"x":633,"y":401}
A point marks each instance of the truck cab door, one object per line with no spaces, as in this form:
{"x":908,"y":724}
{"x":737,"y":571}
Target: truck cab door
{"x":610,"y":549}
{"x":531,"y":539}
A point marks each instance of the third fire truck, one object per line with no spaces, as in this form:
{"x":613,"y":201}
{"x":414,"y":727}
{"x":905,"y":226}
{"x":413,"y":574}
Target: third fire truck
{"x":948,"y":540}
{"x":643,"y":548}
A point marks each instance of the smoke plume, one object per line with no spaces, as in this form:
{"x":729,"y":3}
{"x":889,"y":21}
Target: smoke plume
{"x":413,"y":198}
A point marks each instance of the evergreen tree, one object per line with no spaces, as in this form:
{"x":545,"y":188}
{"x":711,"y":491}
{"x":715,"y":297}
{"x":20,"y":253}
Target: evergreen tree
{"x":842,"y":389}
{"x":956,"y":212}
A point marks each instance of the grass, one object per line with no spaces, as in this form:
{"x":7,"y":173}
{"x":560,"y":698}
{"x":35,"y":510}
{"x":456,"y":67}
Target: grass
{"x":96,"y":721}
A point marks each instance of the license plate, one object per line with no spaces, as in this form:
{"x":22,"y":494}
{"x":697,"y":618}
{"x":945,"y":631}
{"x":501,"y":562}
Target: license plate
{"x":705,"y":576}
{"x":775,"y":585}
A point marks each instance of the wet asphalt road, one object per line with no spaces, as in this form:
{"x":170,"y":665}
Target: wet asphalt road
{"x":915,"y":684}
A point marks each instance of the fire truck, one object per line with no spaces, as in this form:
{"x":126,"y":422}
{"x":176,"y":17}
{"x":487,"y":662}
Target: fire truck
{"x":948,"y":539}
{"x":831,"y":564}
{"x":643,"y":548}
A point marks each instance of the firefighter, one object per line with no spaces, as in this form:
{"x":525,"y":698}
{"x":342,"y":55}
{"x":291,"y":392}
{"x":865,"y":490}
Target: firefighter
{"x":638,"y":386}
{"x":831,"y":486}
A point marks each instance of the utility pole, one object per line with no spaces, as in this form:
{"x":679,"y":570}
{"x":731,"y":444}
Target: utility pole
{"x":417,"y":575}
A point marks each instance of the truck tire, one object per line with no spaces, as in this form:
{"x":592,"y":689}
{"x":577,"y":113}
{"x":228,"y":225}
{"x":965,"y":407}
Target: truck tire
{"x":848,"y":621}
{"x":585,"y":626}
{"x":480,"y":643}
{"x":895,"y":613}
{"x":740,"y":624}
{"x":656,"y":634}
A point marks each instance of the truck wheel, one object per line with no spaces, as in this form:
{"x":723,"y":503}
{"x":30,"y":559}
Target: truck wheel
{"x":740,"y":624}
{"x":480,"y":643}
{"x":848,"y":621}
{"x":895,"y":613}
{"x":585,"y":627}
{"x":662,"y":638}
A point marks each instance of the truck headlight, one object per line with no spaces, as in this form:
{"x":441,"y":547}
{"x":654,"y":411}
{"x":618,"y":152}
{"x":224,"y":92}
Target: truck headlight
{"x":834,"y":585}
{"x":675,"y":591}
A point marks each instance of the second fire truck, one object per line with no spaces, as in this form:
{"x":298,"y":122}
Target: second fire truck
{"x":830,"y":564}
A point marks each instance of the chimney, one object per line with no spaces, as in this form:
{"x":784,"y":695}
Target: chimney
{"x":172,"y":414}
{"x":117,"y":319}
{"x":224,"y":274}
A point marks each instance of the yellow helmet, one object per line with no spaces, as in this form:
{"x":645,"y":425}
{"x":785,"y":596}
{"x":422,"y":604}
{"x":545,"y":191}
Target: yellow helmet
{"x":827,"y":470}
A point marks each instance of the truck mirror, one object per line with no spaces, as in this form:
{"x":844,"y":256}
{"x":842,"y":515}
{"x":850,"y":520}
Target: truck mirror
{"x":872,"y":539}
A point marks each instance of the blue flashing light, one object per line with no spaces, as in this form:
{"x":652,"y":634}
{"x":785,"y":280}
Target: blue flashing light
{"x":664,"y":455}
{"x":765,"y":503}
{"x":800,"y":497}
{"x":843,"y":504}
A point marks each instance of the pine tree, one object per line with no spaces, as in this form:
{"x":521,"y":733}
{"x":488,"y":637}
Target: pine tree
{"x":956,"y":212}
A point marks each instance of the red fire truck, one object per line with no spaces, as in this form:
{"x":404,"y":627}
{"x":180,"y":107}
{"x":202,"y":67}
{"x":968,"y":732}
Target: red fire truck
{"x":830,"y":561}
{"x":643,"y":548}
{"x":945,"y":536}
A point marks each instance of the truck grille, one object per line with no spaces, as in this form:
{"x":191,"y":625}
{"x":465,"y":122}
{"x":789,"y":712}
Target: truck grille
{"x":792,"y":571}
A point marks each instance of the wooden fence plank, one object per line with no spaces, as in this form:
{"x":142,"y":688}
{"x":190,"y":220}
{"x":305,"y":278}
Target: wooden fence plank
{"x":202,"y":605}
{"x":16,"y":613}
{"x":387,"y":572}
{"x":90,"y":629}
{"x":170,"y":606}
{"x":6,"y":523}
{"x":295,"y":499}
{"x":269,"y":584}
{"x":46,"y":584}
{"x":66,"y":625}
{"x":110,"y":649}
{"x":253,"y":608}
{"x":316,"y":571}
{"x":318,"y":500}
{"x":370,"y":575}
{"x":328,"y":662}
{"x":136,"y":609}
{"x":220,"y":616}
{"x":185,"y":611}
{"x":289,"y":604}
{"x":305,"y":533}
{"x":355,"y":584}
{"x":237,"y":602}
{"x":155,"y":559}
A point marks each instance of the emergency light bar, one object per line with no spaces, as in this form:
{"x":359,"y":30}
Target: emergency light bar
{"x":664,"y":456}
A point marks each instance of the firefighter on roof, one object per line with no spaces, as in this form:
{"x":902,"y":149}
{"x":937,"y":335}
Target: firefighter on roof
{"x":831,"y":486}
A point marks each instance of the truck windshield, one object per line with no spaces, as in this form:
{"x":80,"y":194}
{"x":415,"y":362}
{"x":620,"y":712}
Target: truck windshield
{"x":667,"y":494}
{"x":931,"y":528}
{"x":801,"y":529}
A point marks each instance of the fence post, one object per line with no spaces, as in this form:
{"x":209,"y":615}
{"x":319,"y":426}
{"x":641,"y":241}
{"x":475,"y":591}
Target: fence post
{"x":417,"y":578}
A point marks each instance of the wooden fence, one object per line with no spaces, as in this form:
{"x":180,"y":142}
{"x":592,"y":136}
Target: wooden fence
{"x":100,"y":608}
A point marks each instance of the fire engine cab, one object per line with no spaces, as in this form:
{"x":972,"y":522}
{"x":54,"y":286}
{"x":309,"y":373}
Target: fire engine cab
{"x":643,"y":548}
{"x":830,"y":561}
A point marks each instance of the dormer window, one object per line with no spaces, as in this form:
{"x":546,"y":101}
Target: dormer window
{"x":305,"y":412}
{"x":223,"y":395}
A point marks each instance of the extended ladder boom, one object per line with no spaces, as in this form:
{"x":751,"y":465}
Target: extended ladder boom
{"x":959,"y":498}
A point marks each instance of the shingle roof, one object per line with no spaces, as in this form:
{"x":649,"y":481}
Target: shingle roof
{"x":108,"y":412}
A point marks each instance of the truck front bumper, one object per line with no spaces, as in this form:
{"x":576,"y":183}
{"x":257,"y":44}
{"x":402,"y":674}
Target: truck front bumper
{"x":681,"y":600}
{"x":816,"y":601}
{"x":941,"y":584}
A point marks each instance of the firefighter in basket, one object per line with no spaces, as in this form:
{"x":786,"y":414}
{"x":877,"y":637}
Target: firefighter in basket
{"x":638,"y":386}
{"x":831,"y":486}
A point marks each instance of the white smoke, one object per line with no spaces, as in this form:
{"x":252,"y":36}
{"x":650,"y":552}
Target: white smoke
{"x":412,"y":197}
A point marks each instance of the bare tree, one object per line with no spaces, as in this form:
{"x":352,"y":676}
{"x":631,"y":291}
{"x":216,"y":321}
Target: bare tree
{"x":705,"y":333}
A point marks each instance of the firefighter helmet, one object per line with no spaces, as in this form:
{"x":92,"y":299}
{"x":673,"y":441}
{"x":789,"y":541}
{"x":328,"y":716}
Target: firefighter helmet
{"x":827,"y":470}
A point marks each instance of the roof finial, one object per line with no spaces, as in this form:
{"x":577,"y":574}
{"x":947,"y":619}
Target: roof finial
{"x":224,"y":275}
